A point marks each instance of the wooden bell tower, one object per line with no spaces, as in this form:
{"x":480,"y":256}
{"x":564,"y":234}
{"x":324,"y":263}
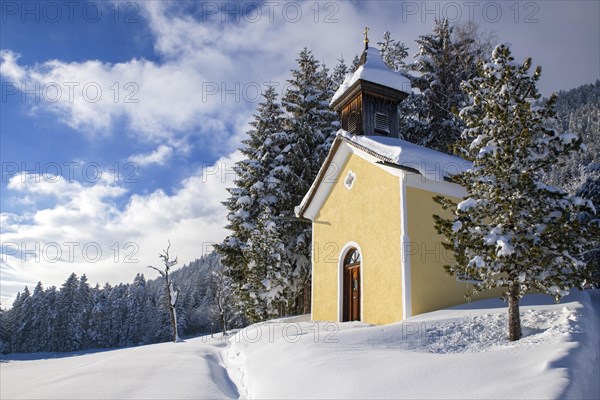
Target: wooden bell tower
{"x":367,"y":102}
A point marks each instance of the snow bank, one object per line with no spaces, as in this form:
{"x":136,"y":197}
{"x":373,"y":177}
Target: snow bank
{"x":457,"y":353}
{"x":430,"y":163}
{"x":190,"y":370}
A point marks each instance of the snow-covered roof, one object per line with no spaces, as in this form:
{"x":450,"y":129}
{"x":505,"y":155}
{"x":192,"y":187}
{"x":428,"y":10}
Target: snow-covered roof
{"x":425,"y":161}
{"x":375,"y":71}
{"x":431,"y":164}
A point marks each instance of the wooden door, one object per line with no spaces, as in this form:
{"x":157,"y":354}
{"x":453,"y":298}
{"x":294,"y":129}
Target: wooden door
{"x":352,"y":290}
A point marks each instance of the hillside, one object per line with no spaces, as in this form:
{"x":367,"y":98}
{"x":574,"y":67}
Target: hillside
{"x":444,"y":354}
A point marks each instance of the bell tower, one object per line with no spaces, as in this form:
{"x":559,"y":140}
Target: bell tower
{"x":367,"y":101}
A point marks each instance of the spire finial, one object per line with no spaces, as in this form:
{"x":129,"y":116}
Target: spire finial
{"x":366,"y":32}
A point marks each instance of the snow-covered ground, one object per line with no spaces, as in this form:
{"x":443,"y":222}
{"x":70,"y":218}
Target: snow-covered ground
{"x":456,"y":353}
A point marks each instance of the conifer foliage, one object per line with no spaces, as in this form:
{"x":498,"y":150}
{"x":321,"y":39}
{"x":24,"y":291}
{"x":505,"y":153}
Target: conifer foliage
{"x":267,"y":254}
{"x":512,"y":231}
{"x":78,"y":316}
{"x":445,"y":59}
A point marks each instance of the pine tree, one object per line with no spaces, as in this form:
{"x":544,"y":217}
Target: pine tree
{"x":512,"y":231}
{"x":393,"y":52}
{"x":429,"y":115}
{"x":339,"y":72}
{"x":99,"y":324}
{"x":48,"y":335}
{"x":355,"y":63}
{"x":311,"y":127}
{"x":39,"y":314}
{"x":86,"y":300}
{"x":136,"y":316}
{"x":22,"y":322}
{"x":240,"y":254}
{"x":69,"y":319}
{"x":4,"y":335}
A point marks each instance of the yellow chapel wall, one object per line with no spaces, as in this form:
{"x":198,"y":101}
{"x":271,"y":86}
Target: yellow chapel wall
{"x":431,"y":287}
{"x":357,"y":215}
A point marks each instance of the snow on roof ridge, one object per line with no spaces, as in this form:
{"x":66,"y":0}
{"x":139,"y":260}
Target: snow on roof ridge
{"x":432,"y":164}
{"x":374,"y":70}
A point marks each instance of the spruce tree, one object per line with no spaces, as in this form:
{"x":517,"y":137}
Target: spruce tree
{"x":311,"y":126}
{"x":511,"y":230}
{"x":393,"y":52}
{"x":22,"y":321}
{"x":39,"y":314}
{"x":69,"y":319}
{"x":429,"y":115}
{"x":242,"y":256}
{"x":339,"y":73}
{"x":4,"y":334}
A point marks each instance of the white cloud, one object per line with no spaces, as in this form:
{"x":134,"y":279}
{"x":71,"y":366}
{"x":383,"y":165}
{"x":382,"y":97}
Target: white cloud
{"x":158,"y":156}
{"x":204,"y":89}
{"x":66,"y":238}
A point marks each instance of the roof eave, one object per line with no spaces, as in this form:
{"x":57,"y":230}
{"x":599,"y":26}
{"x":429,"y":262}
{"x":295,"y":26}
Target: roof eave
{"x":369,"y":88}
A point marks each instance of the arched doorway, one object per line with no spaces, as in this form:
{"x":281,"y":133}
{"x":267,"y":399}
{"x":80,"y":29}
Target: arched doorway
{"x":351,"y":285}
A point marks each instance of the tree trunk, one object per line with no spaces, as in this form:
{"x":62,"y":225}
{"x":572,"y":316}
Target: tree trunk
{"x":514,"y":319}
{"x":171,"y":310}
{"x":173,"y":323}
{"x":223,"y":325}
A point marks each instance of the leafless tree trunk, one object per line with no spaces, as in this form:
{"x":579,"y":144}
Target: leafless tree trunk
{"x":172,"y":292}
{"x":221,"y":296}
{"x":514,"y":319}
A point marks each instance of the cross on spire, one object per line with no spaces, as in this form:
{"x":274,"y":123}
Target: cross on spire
{"x":366,"y":32}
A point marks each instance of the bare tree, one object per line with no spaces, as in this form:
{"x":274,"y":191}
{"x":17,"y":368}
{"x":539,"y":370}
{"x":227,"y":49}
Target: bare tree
{"x":222,"y":291}
{"x":171,"y":291}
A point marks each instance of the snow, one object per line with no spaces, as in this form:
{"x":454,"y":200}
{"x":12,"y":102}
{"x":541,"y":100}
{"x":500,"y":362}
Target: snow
{"x":430,"y":163}
{"x":568,"y":138}
{"x":477,"y":261}
{"x":190,"y":370}
{"x":467,"y":204}
{"x":505,"y":248}
{"x":456,"y":353}
{"x":374,"y":71}
{"x":461,"y":352}
{"x":456,"y":226}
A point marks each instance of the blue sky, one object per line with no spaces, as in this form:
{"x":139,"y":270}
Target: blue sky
{"x":119,"y":121}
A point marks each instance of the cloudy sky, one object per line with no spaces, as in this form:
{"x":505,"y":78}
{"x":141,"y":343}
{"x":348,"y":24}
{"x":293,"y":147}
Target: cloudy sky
{"x":120,"y":121}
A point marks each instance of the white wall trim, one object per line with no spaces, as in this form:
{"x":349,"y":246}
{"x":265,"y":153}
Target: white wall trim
{"x":332,"y":175}
{"x":404,"y":254}
{"x":312,"y":272}
{"x":340,"y":275}
{"x":440,"y":187}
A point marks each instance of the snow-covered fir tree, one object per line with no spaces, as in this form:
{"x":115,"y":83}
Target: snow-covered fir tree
{"x":393,"y":52}
{"x":511,"y":230}
{"x":339,"y":72}
{"x":267,"y":253}
{"x":69,"y":327}
{"x":4,"y":338}
{"x":429,"y":115}
{"x":311,"y":126}
{"x":242,"y":256}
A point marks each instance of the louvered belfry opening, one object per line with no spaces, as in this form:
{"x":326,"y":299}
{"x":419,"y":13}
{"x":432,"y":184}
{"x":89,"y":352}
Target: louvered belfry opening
{"x":382,"y":124}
